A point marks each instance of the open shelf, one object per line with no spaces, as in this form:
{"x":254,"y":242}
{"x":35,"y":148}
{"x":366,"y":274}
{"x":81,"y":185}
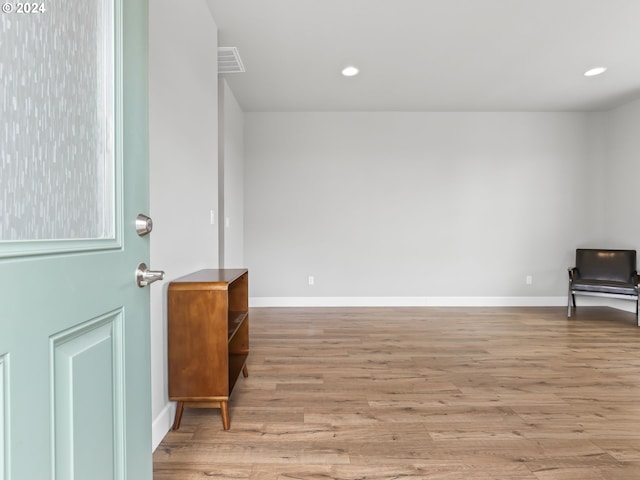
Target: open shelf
{"x":208,"y":313}
{"x":235,"y":320}
{"x":237,"y":362}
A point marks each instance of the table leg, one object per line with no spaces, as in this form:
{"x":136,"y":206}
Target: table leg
{"x":224,"y":412}
{"x":179,"y":410}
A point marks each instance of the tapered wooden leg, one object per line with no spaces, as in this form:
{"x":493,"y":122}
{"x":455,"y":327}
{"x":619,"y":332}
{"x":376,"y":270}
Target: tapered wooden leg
{"x":245,"y":371}
{"x":224,"y":412}
{"x":179,"y":410}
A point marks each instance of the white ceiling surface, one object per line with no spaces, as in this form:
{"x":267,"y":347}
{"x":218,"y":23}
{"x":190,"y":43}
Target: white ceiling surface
{"x":432,"y":55}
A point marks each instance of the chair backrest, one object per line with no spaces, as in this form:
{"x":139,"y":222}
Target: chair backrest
{"x":608,"y":265}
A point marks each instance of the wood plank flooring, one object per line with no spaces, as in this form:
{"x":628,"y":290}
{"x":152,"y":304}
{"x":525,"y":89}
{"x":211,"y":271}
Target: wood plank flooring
{"x":424,"y":393}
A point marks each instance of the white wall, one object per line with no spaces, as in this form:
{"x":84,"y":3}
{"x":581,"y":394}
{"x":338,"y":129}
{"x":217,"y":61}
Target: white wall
{"x":183,"y":164}
{"x":417,"y":208}
{"x":592,"y":211}
{"x":621,"y":174}
{"x":231,"y":159}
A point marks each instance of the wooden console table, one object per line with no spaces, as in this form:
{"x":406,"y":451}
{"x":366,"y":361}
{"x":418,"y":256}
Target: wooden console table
{"x":208,"y":336}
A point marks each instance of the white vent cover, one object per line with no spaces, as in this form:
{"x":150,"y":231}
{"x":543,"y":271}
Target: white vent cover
{"x":229,"y":60}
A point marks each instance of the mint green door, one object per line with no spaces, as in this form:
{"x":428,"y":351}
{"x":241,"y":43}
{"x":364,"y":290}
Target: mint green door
{"x":74,"y":326}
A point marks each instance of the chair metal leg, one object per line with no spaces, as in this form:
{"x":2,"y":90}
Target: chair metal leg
{"x":570,"y":297}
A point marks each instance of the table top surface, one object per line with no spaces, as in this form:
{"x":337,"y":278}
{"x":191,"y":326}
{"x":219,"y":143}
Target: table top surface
{"x":212,"y":276}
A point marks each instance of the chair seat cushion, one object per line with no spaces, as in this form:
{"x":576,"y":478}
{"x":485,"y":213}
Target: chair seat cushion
{"x":601,"y":286}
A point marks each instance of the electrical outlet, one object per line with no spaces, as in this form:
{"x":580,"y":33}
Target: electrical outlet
{"x":312,"y":280}
{"x":529,"y":280}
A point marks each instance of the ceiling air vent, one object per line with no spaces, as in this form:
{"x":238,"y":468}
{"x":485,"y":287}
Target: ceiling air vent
{"x":229,"y":60}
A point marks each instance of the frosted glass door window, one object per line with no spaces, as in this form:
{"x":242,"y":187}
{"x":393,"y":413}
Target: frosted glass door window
{"x":57,"y":147}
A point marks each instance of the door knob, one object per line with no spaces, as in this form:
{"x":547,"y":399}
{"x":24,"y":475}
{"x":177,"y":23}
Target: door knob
{"x":144,"y":276}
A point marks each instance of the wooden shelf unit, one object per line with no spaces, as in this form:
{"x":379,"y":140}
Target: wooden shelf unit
{"x":208,"y":336}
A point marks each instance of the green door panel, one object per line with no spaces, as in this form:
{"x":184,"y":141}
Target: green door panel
{"x":74,"y":326}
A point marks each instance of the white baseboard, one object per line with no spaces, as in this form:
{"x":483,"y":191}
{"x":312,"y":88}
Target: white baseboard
{"x":162,"y":424}
{"x":408,"y":301}
{"x":581,"y":300}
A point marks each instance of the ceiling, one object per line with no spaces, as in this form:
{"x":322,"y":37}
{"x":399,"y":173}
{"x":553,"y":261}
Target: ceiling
{"x":432,"y":55}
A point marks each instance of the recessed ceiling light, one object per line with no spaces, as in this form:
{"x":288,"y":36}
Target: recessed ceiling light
{"x":350,"y":71}
{"x":595,"y":71}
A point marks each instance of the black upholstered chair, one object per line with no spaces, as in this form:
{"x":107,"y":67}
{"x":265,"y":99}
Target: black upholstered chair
{"x":608,"y":273}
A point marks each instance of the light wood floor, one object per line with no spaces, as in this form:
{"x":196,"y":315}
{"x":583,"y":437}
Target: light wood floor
{"x":432,"y":393}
